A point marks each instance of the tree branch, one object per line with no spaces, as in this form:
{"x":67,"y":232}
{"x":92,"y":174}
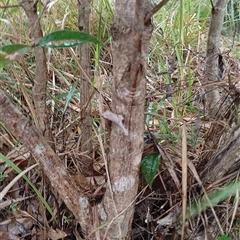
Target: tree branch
{"x":53,"y":168}
{"x":155,"y":10}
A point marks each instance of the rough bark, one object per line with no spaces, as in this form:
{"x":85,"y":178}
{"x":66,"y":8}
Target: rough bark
{"x":225,"y":161}
{"x":52,"y":166}
{"x":216,"y":107}
{"x":213,"y":68}
{"x":85,"y":94}
{"x":131,"y":38}
{"x":41,"y":77}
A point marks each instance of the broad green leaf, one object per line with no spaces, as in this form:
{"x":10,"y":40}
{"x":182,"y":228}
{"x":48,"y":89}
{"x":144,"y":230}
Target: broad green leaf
{"x":149,"y":167}
{"x":66,"y":38}
{"x":9,"y":53}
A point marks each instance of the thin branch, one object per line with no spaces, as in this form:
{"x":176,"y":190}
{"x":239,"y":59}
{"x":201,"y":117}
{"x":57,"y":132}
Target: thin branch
{"x":10,"y":6}
{"x":155,"y":10}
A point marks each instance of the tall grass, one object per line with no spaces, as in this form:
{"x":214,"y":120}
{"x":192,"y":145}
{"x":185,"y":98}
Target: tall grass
{"x":177,"y":35}
{"x":231,"y":25}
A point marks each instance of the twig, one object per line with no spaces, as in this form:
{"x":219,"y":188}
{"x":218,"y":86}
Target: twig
{"x":154,"y":10}
{"x":234,"y":80}
{"x":10,"y":6}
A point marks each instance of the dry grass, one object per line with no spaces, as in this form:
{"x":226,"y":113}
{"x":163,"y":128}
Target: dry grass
{"x":174,"y":101}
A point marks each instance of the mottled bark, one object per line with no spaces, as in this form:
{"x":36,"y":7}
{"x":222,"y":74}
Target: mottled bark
{"x":213,"y":66}
{"x":53,"y":168}
{"x":217,"y":108}
{"x":226,"y":160}
{"x":85,"y":93}
{"x":41,"y":77}
{"x":131,"y":38}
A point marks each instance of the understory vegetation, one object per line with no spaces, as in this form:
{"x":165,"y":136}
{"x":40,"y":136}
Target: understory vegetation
{"x":174,"y":186}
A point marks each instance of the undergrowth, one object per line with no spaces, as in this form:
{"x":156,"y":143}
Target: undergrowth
{"x":175,"y":95}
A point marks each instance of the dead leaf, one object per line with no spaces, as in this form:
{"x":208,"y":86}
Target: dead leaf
{"x":116,"y":118}
{"x":8,"y":236}
{"x":56,"y":234}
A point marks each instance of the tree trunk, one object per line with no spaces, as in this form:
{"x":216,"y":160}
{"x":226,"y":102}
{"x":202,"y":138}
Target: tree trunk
{"x":131,"y":36}
{"x":226,"y":160}
{"x":41,"y":78}
{"x":85,"y":93}
{"x":214,"y":61}
{"x":216,"y":106}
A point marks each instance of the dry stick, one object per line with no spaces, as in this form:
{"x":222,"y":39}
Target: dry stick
{"x":194,"y":172}
{"x":170,"y":166}
{"x":85,"y":142}
{"x":87,"y":78}
{"x":184,"y":177}
{"x":9,"y":202}
{"x":11,"y":6}
{"x":7,"y":188}
{"x":28,"y":100}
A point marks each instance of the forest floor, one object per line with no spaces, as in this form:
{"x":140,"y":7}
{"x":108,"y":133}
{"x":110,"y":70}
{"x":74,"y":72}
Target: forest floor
{"x":175,"y":103}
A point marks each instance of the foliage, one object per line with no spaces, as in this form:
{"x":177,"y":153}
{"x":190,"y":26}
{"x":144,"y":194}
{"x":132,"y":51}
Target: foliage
{"x":224,"y":237}
{"x":213,"y":199}
{"x":232,"y":19}
{"x":67,"y":39}
{"x":2,"y":175}
{"x":149,"y":167}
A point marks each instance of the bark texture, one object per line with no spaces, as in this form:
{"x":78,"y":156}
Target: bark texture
{"x":52,"y":166}
{"x":226,"y":160}
{"x":85,"y":94}
{"x":41,"y":77}
{"x":213,"y":68}
{"x":131,"y":38}
{"x":217,"y":108}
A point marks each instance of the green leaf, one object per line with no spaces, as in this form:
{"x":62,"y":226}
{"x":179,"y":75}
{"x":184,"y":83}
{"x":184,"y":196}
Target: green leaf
{"x":224,"y":237}
{"x":149,"y":167}
{"x":70,"y":95}
{"x":66,"y":38}
{"x":10,"y":53}
{"x":15,"y":48}
{"x":215,"y":197}
{"x":3,"y":61}
{"x":237,"y":53}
